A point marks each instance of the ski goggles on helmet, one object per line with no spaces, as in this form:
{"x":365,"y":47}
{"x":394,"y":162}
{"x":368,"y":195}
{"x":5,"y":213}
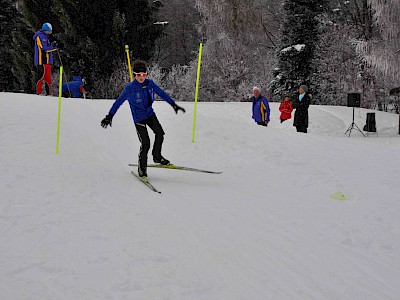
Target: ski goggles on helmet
{"x":140,"y":74}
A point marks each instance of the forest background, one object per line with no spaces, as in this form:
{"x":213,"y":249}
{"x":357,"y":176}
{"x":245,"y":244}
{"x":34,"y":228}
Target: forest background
{"x":336,"y":47}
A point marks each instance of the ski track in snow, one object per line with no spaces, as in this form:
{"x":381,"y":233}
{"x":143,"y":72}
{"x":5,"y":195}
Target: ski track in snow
{"x":78,"y":225}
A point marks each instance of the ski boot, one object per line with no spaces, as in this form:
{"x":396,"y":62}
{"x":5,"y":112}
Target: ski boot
{"x":142,"y":172}
{"x":161,"y":160}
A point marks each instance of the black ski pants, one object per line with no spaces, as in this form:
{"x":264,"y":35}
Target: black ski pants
{"x":141,"y":129}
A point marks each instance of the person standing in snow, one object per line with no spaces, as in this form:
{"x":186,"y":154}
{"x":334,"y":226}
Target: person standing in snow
{"x":261,"y":110}
{"x":140,"y":95}
{"x":43,"y":58}
{"x":286,"y":108}
{"x":301,"y":104}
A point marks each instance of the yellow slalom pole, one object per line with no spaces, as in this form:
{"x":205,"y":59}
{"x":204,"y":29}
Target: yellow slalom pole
{"x":129,"y":62}
{"x":59,"y":108}
{"x":197,"y":91}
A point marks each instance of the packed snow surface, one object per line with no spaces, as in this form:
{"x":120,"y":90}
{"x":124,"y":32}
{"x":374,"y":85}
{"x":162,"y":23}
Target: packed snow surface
{"x":78,"y":225}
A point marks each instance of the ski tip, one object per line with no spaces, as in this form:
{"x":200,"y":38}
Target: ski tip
{"x":146,"y":182}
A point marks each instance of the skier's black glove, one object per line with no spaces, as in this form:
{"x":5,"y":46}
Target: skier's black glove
{"x":54,"y":44}
{"x":178,"y":108}
{"x":107,"y":121}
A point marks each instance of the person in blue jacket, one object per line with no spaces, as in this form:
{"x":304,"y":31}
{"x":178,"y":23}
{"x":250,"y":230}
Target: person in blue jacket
{"x":44,"y":52}
{"x":140,"y":94}
{"x":261,"y":110}
{"x":76,"y":88}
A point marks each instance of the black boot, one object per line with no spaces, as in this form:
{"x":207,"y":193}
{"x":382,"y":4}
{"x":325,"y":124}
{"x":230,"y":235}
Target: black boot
{"x":142,"y":172}
{"x":161,"y":160}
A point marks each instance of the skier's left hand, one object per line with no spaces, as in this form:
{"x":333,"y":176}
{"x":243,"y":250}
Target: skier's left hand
{"x":178,"y":108}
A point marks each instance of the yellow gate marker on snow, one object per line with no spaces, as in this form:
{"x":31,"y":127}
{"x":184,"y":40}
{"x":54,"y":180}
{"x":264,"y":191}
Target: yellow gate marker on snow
{"x":59,"y":108}
{"x":338,"y":196}
{"x":197,"y":91}
{"x":129,"y":62}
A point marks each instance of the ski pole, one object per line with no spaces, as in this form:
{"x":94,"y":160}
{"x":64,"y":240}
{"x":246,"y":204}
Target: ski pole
{"x":65,"y":77}
{"x":59,"y":109}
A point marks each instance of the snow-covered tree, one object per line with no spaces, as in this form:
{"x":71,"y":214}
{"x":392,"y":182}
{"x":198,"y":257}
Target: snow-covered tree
{"x":239,"y":40}
{"x":383,"y":52}
{"x":177,"y":21}
{"x":336,"y":64}
{"x":298,"y":41}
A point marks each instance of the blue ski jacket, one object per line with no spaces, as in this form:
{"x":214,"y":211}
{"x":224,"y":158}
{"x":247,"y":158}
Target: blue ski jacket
{"x":73,"y":87}
{"x":140,"y":97}
{"x":261,"y":110}
{"x":43,"y":49}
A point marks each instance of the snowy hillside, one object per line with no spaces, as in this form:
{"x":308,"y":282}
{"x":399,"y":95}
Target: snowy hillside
{"x":78,"y":225}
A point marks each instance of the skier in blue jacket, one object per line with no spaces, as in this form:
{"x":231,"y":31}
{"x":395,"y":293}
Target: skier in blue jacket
{"x":43,"y":58}
{"x":261,"y":110}
{"x":140,"y":94}
{"x":43,"y":48}
{"x":75,"y":88}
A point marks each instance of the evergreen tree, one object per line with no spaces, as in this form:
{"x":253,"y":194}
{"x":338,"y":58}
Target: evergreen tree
{"x":6,"y":25}
{"x":298,"y":39}
{"x":179,"y":38}
{"x":38,"y":12}
{"x":15,"y":52}
{"x":91,"y":36}
{"x":382,"y":51}
{"x":141,"y":31}
{"x":23,"y":67}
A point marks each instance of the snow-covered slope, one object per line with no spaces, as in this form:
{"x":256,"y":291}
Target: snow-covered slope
{"x":78,"y":225}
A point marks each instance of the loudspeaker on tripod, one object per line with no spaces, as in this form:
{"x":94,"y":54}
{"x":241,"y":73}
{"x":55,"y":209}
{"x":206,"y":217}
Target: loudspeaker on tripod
{"x":354,"y":100}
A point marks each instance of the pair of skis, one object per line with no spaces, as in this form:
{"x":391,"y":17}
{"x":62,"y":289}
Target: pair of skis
{"x":145,"y":180}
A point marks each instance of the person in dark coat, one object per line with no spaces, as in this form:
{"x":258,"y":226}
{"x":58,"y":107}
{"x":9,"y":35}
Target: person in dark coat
{"x":261,"y":110}
{"x":301,"y":104}
{"x":140,"y":94}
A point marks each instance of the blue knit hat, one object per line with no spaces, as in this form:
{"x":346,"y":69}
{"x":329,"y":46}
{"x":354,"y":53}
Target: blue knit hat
{"x":47,"y":27}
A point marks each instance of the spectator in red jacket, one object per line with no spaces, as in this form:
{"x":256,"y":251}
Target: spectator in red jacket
{"x":286,"y":109}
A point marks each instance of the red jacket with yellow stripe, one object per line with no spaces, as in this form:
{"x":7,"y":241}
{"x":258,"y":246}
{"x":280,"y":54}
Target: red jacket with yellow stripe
{"x":43,"y":49}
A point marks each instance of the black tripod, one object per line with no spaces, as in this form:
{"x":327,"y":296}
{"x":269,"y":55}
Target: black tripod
{"x":353,"y":126}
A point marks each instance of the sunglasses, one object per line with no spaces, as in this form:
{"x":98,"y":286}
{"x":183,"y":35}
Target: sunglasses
{"x":141,"y":74}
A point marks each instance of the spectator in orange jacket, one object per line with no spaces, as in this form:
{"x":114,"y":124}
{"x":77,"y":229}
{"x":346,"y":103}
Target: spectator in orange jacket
{"x":286,"y":109}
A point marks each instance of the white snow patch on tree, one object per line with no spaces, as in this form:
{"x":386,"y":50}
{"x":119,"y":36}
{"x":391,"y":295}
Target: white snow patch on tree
{"x":297,"y":47}
{"x":161,"y":23}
